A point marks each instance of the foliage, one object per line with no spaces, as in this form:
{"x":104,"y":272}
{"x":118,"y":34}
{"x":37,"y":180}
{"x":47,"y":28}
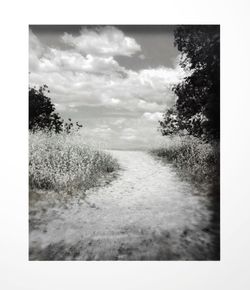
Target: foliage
{"x":42,"y":112}
{"x":68,"y":127}
{"x":196,"y":158}
{"x":172,"y":124}
{"x":42,"y":115}
{"x":197,"y":109}
{"x":63,"y":162}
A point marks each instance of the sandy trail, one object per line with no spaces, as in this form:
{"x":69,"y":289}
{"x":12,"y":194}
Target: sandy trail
{"x":147,"y":213}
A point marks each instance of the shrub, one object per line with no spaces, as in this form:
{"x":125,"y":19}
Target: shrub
{"x":198,"y":159}
{"x":63,"y":162}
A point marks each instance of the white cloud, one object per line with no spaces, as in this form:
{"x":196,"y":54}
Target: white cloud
{"x":128,"y":134}
{"x":128,"y":137}
{"x":129,"y":130}
{"x":55,"y":60}
{"x":95,"y":79}
{"x":142,"y":56}
{"x":99,"y":79}
{"x":60,"y":107}
{"x":103,"y":41}
{"x":153,"y":116}
{"x":115,"y":101}
{"x":162,"y":76}
{"x":36,"y":50}
{"x":150,"y":106}
{"x":138,"y":92}
{"x":118,"y":122}
{"x":101,"y":132}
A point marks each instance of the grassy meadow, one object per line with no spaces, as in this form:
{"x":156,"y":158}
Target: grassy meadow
{"x":193,"y":157}
{"x":65,"y":163}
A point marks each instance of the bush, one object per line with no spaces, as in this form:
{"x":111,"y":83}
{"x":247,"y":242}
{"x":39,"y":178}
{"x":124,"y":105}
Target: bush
{"x":198,"y":159}
{"x":63,"y":162}
{"x":42,"y":113}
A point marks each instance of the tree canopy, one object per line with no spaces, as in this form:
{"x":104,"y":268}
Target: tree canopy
{"x":197,"y":109}
{"x":42,"y":115}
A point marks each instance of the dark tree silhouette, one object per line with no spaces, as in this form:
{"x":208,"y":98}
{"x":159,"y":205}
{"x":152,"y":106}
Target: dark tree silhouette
{"x":68,"y":127}
{"x":42,"y":115}
{"x":197,"y":109}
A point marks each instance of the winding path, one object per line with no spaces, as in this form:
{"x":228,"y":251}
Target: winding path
{"x":147,"y":213}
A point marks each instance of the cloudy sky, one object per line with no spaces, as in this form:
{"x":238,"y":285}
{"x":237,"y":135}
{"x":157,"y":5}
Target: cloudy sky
{"x":115,"y":80}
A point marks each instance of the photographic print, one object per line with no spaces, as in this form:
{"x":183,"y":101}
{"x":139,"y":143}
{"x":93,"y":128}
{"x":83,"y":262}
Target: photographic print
{"x":124,"y":142}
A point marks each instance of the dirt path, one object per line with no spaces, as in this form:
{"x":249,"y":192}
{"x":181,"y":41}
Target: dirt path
{"x":147,"y":213}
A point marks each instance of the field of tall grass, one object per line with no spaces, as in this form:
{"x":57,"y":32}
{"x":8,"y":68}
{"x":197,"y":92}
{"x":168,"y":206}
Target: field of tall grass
{"x":195,"y":158}
{"x":64,"y":163}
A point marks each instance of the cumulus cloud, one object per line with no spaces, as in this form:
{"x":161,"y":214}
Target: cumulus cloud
{"x":86,"y":80}
{"x":153,"y":116}
{"x":118,"y":122}
{"x":102,"y":130}
{"x":97,"y":78}
{"x":102,"y":41}
{"x":162,"y":76}
{"x":55,"y":60}
{"x":149,"y":106}
{"x":136,"y":92}
{"x":36,"y":50}
{"x":128,"y":134}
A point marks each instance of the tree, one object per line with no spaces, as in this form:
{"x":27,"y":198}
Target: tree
{"x":42,"y":115}
{"x":198,"y":97}
{"x":69,"y":127}
{"x":172,"y":124}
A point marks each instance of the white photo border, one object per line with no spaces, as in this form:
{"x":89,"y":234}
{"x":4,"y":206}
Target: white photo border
{"x":233,"y":271}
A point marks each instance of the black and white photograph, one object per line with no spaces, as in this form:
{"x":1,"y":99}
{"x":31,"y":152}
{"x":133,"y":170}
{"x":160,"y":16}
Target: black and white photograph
{"x":124,"y":142}
{"x":125,"y":145}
